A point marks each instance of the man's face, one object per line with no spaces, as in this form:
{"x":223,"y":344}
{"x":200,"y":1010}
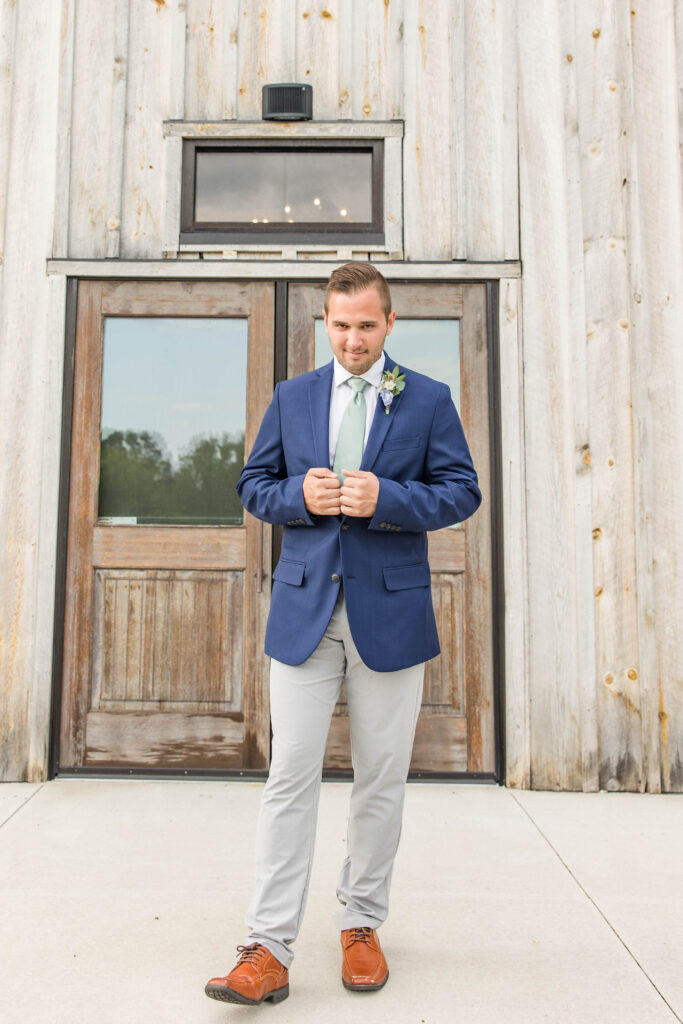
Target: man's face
{"x":357,"y":327}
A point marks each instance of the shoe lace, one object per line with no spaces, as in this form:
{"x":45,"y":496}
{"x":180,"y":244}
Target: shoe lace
{"x":251,"y":954}
{"x":360,"y":934}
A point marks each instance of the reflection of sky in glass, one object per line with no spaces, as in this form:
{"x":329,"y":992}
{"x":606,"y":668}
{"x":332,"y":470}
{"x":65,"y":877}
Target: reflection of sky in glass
{"x":279,"y":187}
{"x":428,"y":346}
{"x":177,"y":376}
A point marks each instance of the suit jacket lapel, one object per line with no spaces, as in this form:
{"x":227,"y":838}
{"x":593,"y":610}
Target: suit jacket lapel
{"x":381,"y":423}
{"x":319,"y":402}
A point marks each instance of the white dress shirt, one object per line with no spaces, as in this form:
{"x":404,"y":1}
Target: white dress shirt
{"x":342,"y":395}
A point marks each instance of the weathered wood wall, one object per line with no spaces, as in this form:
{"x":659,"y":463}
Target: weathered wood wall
{"x":546,"y":130}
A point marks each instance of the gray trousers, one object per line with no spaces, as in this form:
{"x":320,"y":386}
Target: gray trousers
{"x":383,"y":711}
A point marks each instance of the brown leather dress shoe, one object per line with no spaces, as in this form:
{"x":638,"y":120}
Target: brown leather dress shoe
{"x":257,"y":976}
{"x":364,"y":968}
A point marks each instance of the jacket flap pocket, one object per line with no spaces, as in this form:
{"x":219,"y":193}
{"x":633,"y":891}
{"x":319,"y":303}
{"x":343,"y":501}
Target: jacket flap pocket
{"x":401,"y":444}
{"x":290,"y":572}
{"x":402,"y":577}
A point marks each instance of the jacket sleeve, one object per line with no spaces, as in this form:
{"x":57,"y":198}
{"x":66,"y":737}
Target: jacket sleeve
{"x":448,"y":493}
{"x":264,"y":488}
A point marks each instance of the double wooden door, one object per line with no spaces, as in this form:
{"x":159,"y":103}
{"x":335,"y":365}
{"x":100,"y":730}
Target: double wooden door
{"x":168,"y":579}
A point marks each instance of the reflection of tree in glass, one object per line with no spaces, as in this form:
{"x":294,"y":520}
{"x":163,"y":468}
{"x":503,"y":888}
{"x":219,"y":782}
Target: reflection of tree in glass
{"x":137,"y":478}
{"x":205,"y":481}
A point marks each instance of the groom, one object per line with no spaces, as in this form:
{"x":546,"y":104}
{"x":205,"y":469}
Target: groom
{"x":358,"y":460}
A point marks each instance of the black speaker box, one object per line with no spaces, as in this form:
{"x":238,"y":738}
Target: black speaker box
{"x":291,"y":101}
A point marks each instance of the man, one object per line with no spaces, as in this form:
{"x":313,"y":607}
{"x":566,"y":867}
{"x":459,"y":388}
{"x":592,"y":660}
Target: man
{"x":351,"y":600}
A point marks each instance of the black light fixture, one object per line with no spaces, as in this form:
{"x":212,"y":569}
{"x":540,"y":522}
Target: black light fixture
{"x":290,"y":101}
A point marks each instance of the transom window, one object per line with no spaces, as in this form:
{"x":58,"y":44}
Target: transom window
{"x":270,"y":190}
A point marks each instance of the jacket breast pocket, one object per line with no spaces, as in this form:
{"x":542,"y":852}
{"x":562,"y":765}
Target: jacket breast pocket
{"x":403,"y":577}
{"x":289,"y":571}
{"x":401,"y":444}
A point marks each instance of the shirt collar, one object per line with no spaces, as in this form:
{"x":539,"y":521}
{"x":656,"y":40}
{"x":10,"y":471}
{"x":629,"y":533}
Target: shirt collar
{"x":372,"y":376}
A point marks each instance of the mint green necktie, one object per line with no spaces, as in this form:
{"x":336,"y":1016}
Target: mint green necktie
{"x":349,"y":450}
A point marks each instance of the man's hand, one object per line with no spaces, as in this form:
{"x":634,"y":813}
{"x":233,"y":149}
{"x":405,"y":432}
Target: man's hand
{"x":322,"y":492}
{"x":359,"y":493}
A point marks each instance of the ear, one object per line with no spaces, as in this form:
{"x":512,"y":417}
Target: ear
{"x":391,"y":319}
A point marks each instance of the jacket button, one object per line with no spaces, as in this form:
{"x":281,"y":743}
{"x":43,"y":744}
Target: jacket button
{"x":335,"y":577}
{"x":382,"y":526}
{"x":345,"y":526}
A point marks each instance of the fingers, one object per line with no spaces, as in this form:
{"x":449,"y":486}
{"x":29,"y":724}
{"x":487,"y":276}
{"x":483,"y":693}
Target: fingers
{"x":321,"y":491}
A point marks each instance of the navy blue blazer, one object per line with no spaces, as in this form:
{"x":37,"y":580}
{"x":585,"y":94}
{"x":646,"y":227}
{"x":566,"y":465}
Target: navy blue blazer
{"x":426,"y":481}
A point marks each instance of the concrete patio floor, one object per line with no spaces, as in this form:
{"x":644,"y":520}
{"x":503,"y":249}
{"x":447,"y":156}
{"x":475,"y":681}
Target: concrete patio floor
{"x":120,"y":898}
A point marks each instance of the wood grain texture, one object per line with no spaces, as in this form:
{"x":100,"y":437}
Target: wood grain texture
{"x":437,"y":741}
{"x":489,"y":181}
{"x":30,"y":373}
{"x":77,"y":659}
{"x":140,"y":616}
{"x":154,"y":93}
{"x":167,"y":740}
{"x":657,"y":360}
{"x":211,"y":49}
{"x":477,"y":610}
{"x":551,"y":458}
{"x":428,"y":138}
{"x":169,"y":547}
{"x":585,"y":654}
{"x":96,"y":129}
{"x":515,"y":557}
{"x":603,"y":375}
{"x":260,"y":372}
{"x":317,"y":44}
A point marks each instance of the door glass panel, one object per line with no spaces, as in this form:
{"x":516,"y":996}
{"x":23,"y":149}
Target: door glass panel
{"x":173,"y":418}
{"x":428,"y":346}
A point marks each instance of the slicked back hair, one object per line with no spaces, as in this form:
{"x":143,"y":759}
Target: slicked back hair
{"x":356,"y":277}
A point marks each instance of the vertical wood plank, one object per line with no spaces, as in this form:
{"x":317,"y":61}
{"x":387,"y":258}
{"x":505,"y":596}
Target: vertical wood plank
{"x":427,"y":145}
{"x":96,"y":130}
{"x":266,"y":52}
{"x":317,"y":53}
{"x":571,"y":86}
{"x":30,"y":381}
{"x":8,"y":16}
{"x":377,"y":60}
{"x":515,"y":568}
{"x":477,"y":597}
{"x":211,"y":59}
{"x":60,"y":233}
{"x":602,"y":61}
{"x":77,"y":659}
{"x":656,"y":223}
{"x":259,"y":538}
{"x":489,"y":74}
{"x":155,"y":92}
{"x":206,"y":43}
{"x":554,"y":684}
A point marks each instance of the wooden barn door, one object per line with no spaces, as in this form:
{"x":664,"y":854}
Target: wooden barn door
{"x":441,"y":331}
{"x":166,"y":593}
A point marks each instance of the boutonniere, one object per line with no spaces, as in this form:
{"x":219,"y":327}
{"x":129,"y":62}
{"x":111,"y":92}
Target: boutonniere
{"x":390,"y":385}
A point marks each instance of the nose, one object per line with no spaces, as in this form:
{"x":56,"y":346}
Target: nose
{"x":354,"y":340}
